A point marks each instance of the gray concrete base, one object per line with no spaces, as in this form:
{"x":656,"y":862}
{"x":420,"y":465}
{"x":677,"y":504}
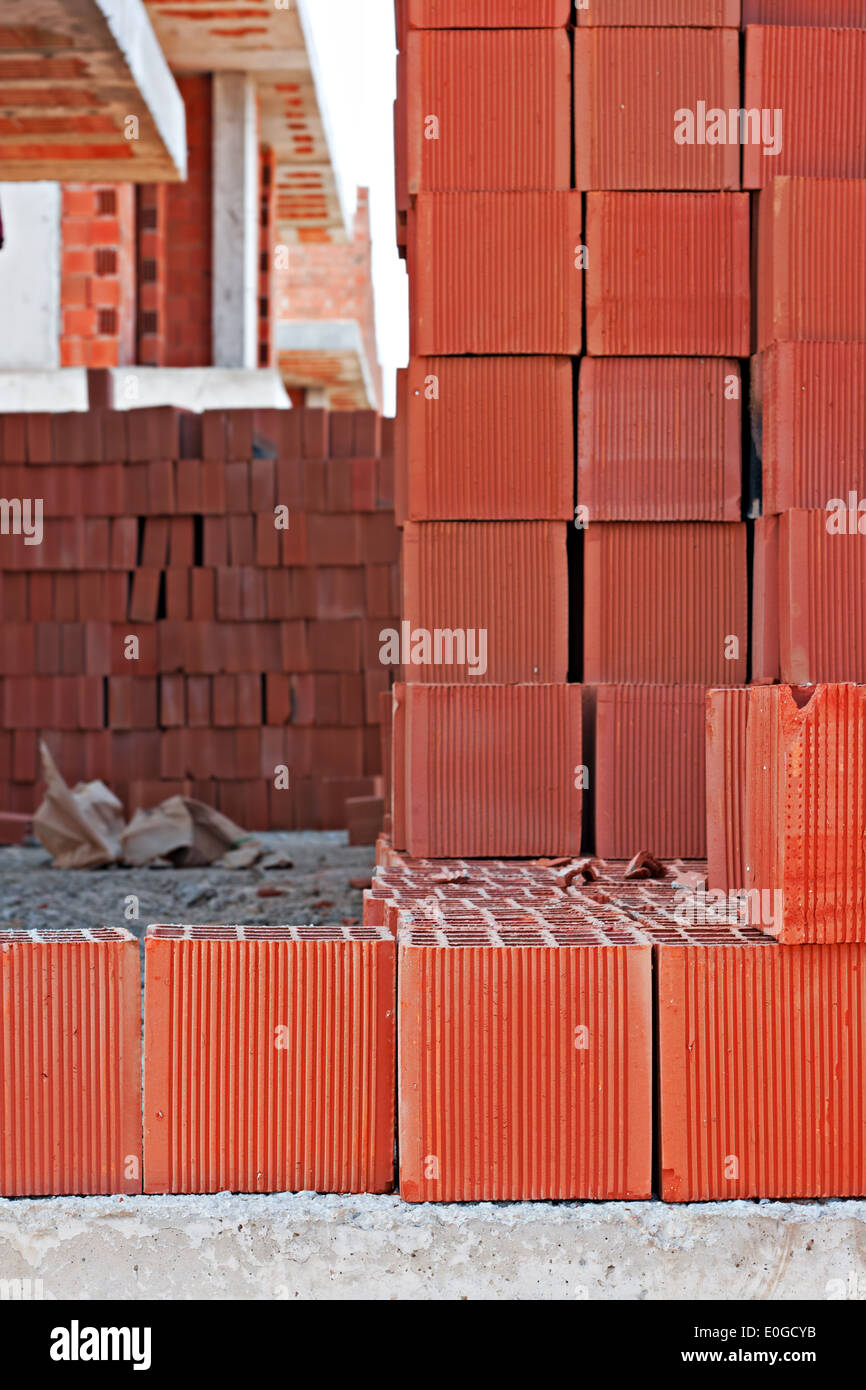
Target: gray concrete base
{"x":325,"y":1247}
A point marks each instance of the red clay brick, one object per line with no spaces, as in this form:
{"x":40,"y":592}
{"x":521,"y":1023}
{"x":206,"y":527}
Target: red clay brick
{"x":342,"y":1138}
{"x":75,"y":997}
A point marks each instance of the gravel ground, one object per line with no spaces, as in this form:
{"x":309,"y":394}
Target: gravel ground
{"x":315,"y":889}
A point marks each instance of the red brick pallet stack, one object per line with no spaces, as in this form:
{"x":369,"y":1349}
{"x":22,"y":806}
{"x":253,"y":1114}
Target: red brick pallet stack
{"x":167,"y":635}
{"x":487,"y":731}
{"x":660,"y":409}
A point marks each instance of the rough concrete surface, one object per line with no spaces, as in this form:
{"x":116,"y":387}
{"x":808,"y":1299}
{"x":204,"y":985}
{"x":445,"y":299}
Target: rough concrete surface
{"x":327,"y":1247}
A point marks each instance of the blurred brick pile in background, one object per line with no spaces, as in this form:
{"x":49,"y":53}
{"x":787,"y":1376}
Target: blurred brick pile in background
{"x":257,"y":646}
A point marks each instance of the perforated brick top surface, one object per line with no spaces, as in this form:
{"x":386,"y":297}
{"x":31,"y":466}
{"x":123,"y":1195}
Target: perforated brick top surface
{"x":323,"y":932}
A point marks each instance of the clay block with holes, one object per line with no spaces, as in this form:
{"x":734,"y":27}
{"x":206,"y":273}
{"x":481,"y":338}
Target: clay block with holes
{"x":760,"y":1066}
{"x":805,"y":818}
{"x":264,"y":1097}
{"x":487,"y":770}
{"x":70,"y":1062}
{"x":525,"y":1055}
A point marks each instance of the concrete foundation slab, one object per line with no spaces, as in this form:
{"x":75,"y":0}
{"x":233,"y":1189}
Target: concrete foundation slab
{"x":338,"y":1248}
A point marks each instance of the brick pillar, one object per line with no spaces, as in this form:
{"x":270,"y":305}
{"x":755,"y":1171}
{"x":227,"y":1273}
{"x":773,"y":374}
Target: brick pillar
{"x":97,"y":286}
{"x":267,"y":243}
{"x":174,"y":249}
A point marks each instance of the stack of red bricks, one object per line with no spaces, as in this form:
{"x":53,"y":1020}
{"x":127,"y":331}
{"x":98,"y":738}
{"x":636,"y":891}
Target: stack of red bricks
{"x":660,"y":408}
{"x":203,"y":609}
{"x":487,"y":730}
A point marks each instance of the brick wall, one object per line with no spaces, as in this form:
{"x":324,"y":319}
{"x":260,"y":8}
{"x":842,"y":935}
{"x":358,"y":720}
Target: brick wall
{"x":256,"y":647}
{"x":174,"y":252}
{"x":325,"y":281}
{"x":97,"y":283}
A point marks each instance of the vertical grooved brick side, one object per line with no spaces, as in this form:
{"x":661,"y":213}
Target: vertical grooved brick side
{"x":659,"y":439}
{"x":711,"y":14}
{"x":727,"y":713}
{"x":668,"y":274}
{"x":805,"y":831}
{"x":822,"y":601}
{"x":504,"y":578}
{"x":649,"y":780}
{"x":661,"y":602}
{"x":811,"y":270}
{"x":70,"y":1063}
{"x":628,"y":85}
{"x":838,"y":14}
{"x":496,"y":1101}
{"x":488,"y":770}
{"x":502,"y":101}
{"x":760,"y":1055}
{"x":488,"y":14}
{"x":812,"y":424}
{"x":490,"y":437}
{"x":815,"y":77}
{"x":496,"y":272}
{"x":269,"y":1059}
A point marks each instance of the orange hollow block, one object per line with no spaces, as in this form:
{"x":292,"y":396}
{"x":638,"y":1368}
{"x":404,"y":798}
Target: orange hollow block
{"x":726,"y":717}
{"x":761,"y":1070}
{"x":711,"y":14}
{"x":485,"y":601}
{"x":525,"y":1060}
{"x":496,"y":273}
{"x":668,"y":274}
{"x":487,"y":770}
{"x":633,"y":91}
{"x":811,"y":274}
{"x":70,"y":1062}
{"x":466,"y":131}
{"x":805,"y":816}
{"x":649,"y":787}
{"x":269,"y":1057}
{"x":809,"y":405}
{"x":785,"y":67}
{"x":488,"y":437}
{"x":660,"y":439}
{"x":821,"y":595}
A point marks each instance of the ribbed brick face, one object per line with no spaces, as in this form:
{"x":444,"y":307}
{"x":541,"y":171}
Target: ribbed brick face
{"x":760,"y":1053}
{"x":811,"y":276}
{"x":496,"y":272}
{"x":822,"y":598}
{"x":269,"y":1059}
{"x":838,"y":14}
{"x":665,"y":603}
{"x":491,"y":770}
{"x":504,"y":582}
{"x":726,"y":719}
{"x":659,"y":439}
{"x":668,"y":274}
{"x":649,"y":783}
{"x":806,"y":810}
{"x":628,"y":84}
{"x":562,"y":1113}
{"x":258,"y":648}
{"x":98,"y":275}
{"x":487,"y":14}
{"x":489,"y":110}
{"x":491,"y":438}
{"x":712,"y":14}
{"x":785,"y":67}
{"x":175,"y":312}
{"x":70,"y":1062}
{"x":812,"y":414}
